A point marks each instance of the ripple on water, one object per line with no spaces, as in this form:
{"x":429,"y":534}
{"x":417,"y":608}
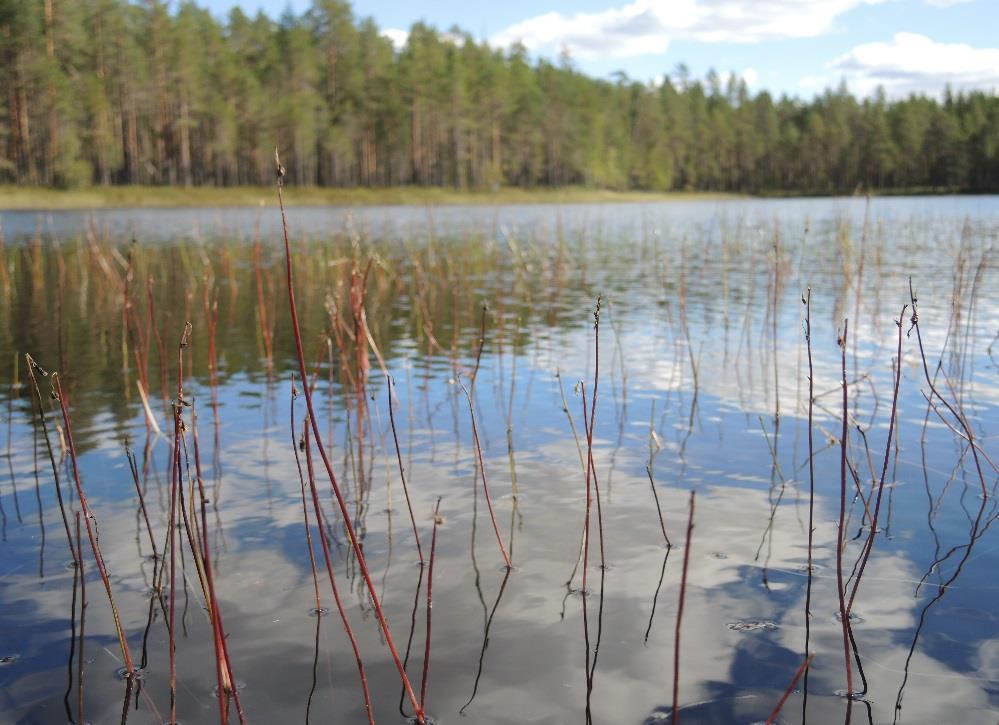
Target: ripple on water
{"x":319,"y":611}
{"x":9,"y":659}
{"x":753,"y":625}
{"x":137,"y":674}
{"x":853,"y":617}
{"x":855,"y":696}
{"x":240,"y":686}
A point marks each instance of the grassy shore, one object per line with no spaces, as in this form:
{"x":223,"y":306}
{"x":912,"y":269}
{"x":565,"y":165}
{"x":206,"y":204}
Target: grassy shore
{"x":32,"y":197}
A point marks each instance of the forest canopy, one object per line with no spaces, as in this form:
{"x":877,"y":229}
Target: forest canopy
{"x":116,"y":92}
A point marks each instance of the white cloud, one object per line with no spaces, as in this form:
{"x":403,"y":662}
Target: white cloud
{"x":647,"y":26}
{"x":946,"y":3}
{"x":397,"y":36}
{"x":914,"y":63}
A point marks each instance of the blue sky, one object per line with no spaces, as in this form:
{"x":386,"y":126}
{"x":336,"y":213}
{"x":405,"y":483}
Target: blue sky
{"x":797,"y":47}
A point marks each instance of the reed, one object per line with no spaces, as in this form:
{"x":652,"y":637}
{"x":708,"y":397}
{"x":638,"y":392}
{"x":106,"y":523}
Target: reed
{"x":226,"y":680}
{"x":679,"y":614}
{"x":430,"y":606}
{"x":80,"y":659}
{"x":341,"y":502}
{"x":840,"y":589}
{"x":807,"y":301}
{"x":402,"y":469}
{"x":772,"y":718}
{"x":329,"y":570}
{"x":91,"y":522}
{"x":869,"y":543}
{"x":295,"y":444}
{"x":482,"y":472}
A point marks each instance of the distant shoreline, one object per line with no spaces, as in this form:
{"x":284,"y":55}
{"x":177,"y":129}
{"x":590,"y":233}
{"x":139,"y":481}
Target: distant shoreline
{"x":36,"y":198}
{"x":29,"y":198}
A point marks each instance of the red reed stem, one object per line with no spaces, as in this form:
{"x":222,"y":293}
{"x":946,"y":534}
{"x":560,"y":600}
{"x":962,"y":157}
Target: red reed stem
{"x":329,"y":570}
{"x":300,"y":352}
{"x":789,"y":690}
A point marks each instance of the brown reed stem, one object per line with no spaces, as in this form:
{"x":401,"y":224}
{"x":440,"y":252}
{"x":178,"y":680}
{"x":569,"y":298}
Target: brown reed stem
{"x":80,"y":660}
{"x":175,"y":493}
{"x":679,"y":615}
{"x":91,"y":521}
{"x":840,"y":591}
{"x":305,"y":509}
{"x":659,"y":509}
{"x":134,"y":469}
{"x":790,"y":688}
{"x":265,"y":330}
{"x":362,"y":564}
{"x":869,"y":544}
{"x":482,"y":471}
{"x":933,"y":389}
{"x":591,"y":469}
{"x":227,"y":680}
{"x":329,"y":570}
{"x":807,"y":300}
{"x":32,"y":366}
{"x":402,"y":470}
{"x":430,"y":606}
{"x":482,"y":343}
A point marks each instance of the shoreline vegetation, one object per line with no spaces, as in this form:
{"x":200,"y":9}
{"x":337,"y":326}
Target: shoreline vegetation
{"x":154,"y":93}
{"x":28,"y":198}
{"x":35,"y":198}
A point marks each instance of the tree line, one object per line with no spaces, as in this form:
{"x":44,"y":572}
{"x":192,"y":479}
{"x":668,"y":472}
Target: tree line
{"x":119,"y":92}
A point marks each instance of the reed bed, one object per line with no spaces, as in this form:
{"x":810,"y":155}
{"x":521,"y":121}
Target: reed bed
{"x":353,"y":305}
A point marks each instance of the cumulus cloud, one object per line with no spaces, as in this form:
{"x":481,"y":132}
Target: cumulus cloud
{"x":647,"y":26}
{"x":397,"y":36}
{"x":914,"y":63}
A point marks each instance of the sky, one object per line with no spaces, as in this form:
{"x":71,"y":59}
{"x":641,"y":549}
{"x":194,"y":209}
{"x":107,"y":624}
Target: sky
{"x":797,"y":47}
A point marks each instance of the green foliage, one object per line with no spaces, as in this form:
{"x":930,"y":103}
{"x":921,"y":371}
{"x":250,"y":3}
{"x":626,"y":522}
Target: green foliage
{"x":106,"y":92}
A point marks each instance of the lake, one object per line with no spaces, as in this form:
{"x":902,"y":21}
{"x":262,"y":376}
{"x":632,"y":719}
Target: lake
{"x":698,"y":372}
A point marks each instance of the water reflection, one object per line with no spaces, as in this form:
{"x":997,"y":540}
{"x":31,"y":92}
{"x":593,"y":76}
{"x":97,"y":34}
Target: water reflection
{"x":703,"y":384}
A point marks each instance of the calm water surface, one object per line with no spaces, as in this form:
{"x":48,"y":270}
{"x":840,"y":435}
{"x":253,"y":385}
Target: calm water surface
{"x":702,"y":382}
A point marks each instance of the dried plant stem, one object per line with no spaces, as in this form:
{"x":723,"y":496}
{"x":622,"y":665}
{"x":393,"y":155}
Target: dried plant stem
{"x":265,"y":330}
{"x":32,"y":366}
{"x":83,"y":611}
{"x":402,"y":470}
{"x":790,"y":688}
{"x":811,"y":489}
{"x":329,"y":570}
{"x":591,"y":467}
{"x":91,"y":521}
{"x":679,"y":615}
{"x":305,"y":508}
{"x":869,"y":543}
{"x":430,"y":606}
{"x":840,"y":591}
{"x":227,"y":681}
{"x":659,"y":509}
{"x":175,"y":493}
{"x":482,"y":472}
{"x":341,"y":502}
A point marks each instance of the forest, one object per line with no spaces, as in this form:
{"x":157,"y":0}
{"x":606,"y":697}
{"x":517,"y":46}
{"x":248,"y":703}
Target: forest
{"x":102,"y":92}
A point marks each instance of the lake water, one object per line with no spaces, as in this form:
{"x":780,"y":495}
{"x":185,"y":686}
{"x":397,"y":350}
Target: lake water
{"x":702,"y":383}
